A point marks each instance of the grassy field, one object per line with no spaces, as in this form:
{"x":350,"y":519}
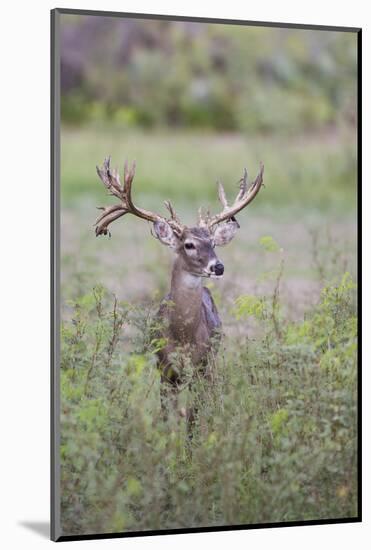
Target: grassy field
{"x":276,"y":440}
{"x":308,"y":206}
{"x":312,"y":172}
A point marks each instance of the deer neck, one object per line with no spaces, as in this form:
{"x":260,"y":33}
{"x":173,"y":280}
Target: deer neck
{"x":186,"y":295}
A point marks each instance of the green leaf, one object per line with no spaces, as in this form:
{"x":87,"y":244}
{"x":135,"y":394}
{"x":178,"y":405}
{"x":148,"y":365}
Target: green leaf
{"x":268,"y":243}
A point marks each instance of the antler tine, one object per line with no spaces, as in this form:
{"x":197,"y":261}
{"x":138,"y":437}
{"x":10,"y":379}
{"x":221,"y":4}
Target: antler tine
{"x":110,"y":178}
{"x":129,"y":173}
{"x":173,"y":214}
{"x":222,"y":195}
{"x":200,"y":217}
{"x":111,"y":181}
{"x":243,"y":185}
{"x":107,"y":210}
{"x":203,"y":217}
{"x":109,"y":215}
{"x":174,"y":220}
{"x":128,"y":180}
{"x":244,"y":197}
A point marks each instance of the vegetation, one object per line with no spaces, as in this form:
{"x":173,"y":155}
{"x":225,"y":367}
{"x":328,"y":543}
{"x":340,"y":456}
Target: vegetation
{"x":275,"y":438}
{"x":236,"y":78}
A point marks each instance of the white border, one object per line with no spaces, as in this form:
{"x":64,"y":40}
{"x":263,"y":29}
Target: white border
{"x":25,"y":267}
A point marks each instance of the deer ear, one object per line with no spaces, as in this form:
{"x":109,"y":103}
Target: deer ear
{"x":164,"y":233}
{"x":225,"y":232}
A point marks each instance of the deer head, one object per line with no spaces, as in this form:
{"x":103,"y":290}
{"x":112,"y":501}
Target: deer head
{"x":195,"y":246}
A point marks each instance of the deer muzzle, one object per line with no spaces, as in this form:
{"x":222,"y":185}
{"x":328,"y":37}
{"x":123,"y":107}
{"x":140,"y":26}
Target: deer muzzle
{"x":217,"y":269}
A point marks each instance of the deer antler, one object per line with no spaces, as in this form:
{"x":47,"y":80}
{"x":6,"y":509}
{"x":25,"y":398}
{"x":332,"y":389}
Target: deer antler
{"x":244,"y":197}
{"x":111,"y":181}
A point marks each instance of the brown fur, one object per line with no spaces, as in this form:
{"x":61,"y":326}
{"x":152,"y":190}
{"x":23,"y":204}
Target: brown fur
{"x":189,"y":312}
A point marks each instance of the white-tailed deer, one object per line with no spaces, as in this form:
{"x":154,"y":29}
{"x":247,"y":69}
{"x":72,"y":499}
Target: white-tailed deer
{"x":192,"y":320}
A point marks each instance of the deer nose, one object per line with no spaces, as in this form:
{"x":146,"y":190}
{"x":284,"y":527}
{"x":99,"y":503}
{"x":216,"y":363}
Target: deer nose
{"x":218,"y":268}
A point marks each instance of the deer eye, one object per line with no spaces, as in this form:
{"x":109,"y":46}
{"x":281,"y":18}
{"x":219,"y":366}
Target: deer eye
{"x":189,"y":246}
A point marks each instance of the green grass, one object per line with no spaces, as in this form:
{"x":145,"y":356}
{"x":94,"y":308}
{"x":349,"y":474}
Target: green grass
{"x":275,"y":438}
{"x":311,"y":173}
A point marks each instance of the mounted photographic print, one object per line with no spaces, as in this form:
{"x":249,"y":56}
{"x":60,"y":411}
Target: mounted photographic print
{"x":205,"y":209}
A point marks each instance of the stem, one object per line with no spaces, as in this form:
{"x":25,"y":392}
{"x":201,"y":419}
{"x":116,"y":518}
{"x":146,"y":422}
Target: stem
{"x":275,"y":301}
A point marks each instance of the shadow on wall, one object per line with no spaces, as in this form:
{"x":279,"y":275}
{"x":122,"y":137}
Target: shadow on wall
{"x":41,"y":528}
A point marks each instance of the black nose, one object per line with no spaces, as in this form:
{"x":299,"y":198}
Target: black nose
{"x":218,"y":268}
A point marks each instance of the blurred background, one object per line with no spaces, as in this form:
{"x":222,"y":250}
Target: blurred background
{"x":194,"y":103}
